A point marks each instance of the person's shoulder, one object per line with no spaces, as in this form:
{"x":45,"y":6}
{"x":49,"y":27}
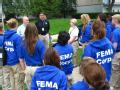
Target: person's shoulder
{"x":20,"y":26}
{"x":116,"y":30}
{"x":40,"y":41}
{"x":80,"y":85}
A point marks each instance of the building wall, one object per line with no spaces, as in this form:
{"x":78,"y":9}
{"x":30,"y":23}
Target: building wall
{"x":95,"y":6}
{"x":89,"y":6}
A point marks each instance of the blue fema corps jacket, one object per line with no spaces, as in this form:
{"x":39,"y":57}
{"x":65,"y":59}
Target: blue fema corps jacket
{"x":49,"y":78}
{"x":65,"y":53}
{"x":108,"y":30}
{"x":12,"y":43}
{"x":86,"y":35}
{"x":81,"y":85}
{"x":102,"y":51}
{"x":116,"y":38}
{"x":37,"y":58}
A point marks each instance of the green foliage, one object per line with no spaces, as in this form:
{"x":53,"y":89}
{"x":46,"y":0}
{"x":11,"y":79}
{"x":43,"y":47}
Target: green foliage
{"x":53,"y":8}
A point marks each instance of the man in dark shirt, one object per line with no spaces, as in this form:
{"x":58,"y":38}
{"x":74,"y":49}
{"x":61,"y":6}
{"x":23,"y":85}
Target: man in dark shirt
{"x":43,"y":27}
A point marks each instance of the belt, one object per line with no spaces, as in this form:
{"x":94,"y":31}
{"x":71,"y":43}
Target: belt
{"x":117,"y":51}
{"x":36,"y":65}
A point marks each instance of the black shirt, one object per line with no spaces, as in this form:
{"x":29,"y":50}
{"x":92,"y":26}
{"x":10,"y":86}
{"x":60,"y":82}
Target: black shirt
{"x":43,"y":27}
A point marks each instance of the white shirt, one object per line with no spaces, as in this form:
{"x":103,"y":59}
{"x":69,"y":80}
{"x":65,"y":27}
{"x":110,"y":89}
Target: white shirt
{"x":73,"y":31}
{"x":21,"y":30}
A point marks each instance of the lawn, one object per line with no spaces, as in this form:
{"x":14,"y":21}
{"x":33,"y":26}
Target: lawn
{"x":57,"y":25}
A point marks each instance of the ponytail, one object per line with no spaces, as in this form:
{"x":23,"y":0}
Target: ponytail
{"x":101,"y":85}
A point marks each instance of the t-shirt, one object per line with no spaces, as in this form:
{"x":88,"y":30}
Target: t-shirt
{"x":73,"y":31}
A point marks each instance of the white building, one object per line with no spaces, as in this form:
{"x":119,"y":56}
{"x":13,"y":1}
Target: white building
{"x":96,"y":6}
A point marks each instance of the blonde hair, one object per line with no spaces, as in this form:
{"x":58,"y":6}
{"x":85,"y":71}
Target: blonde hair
{"x":116,"y":18}
{"x":85,"y":18}
{"x":12,"y":23}
{"x":74,"y":21}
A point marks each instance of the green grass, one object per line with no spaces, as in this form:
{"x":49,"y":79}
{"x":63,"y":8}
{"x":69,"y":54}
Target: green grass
{"x":57,"y":25}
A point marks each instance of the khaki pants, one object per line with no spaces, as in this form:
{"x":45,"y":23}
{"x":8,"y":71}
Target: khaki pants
{"x":1,"y":76}
{"x":45,"y":39}
{"x":29,"y":72}
{"x":13,"y":77}
{"x":115,"y":79}
{"x":75,"y":55}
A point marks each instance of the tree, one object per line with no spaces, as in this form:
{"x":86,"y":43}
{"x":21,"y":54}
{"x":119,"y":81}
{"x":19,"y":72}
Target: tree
{"x":110,"y":5}
{"x":68,"y":7}
{"x":53,"y":8}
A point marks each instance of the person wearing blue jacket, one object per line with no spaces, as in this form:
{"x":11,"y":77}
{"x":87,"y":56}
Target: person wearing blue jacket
{"x":94,"y":78}
{"x":32,"y":52}
{"x":100,"y":48}
{"x":13,"y":77}
{"x":65,"y":52}
{"x":108,"y":26}
{"x":49,"y":76}
{"x":86,"y":29}
{"x":115,"y":80}
{"x":1,"y":45}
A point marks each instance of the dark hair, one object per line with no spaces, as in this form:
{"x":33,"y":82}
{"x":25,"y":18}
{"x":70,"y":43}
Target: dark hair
{"x":52,"y":58}
{"x":109,"y":17}
{"x":103,"y":17}
{"x":31,"y":37}
{"x":95,"y":76}
{"x":63,"y":38}
{"x":98,"y":29}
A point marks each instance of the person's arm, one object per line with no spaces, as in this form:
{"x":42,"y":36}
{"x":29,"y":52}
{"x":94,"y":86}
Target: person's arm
{"x":72,"y":39}
{"x":22,"y":64}
{"x":115,"y":44}
{"x":115,"y":39}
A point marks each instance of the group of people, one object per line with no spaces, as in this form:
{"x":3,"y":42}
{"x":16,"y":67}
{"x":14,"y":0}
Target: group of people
{"x":29,"y":57}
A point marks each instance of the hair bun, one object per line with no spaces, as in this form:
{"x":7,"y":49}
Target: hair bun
{"x":103,"y":85}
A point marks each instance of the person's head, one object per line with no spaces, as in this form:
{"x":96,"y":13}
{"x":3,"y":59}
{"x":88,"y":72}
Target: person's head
{"x":85,"y":19}
{"x":25,"y":20}
{"x":95,"y":76}
{"x":12,"y":23}
{"x":42,"y":16}
{"x":109,"y":17}
{"x":73,"y":22}
{"x":116,"y":19}
{"x":98,"y":30}
{"x":63,"y":38}
{"x":31,"y":37}
{"x":102,"y":17}
{"x":84,"y":62}
{"x":1,"y":27}
{"x":52,"y":58}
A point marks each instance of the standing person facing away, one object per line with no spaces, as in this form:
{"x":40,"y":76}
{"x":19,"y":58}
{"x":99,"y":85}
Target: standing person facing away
{"x":100,"y":48}
{"x":43,"y":27}
{"x":116,"y":61}
{"x":32,"y":52}
{"x":1,"y":45}
{"x":73,"y":31}
{"x":21,"y":28}
{"x":49,"y":77}
{"x":65,"y":52}
{"x":94,"y":78}
{"x":13,"y":78}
